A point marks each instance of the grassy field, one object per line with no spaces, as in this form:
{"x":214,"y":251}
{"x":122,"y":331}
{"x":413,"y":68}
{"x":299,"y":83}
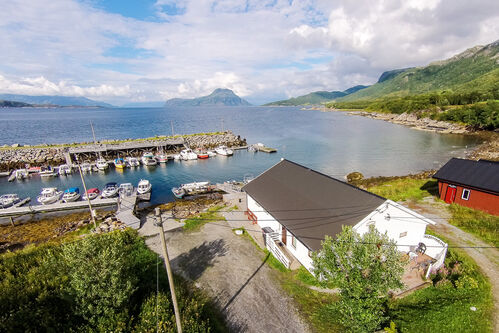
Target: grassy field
{"x":405,"y":189}
{"x":476,"y":222}
{"x":194,"y":223}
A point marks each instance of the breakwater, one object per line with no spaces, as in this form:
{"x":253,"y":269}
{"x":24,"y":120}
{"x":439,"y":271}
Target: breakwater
{"x":17,"y":156}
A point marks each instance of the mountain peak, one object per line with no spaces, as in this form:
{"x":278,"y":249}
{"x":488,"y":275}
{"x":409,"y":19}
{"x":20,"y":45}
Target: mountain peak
{"x":219,"y":97}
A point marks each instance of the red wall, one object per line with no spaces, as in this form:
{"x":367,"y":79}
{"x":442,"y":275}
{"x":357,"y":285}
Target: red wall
{"x":477,"y":199}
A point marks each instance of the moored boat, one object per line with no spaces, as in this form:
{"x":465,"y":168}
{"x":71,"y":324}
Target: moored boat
{"x":188,"y":154}
{"x":224,"y":150}
{"x":119,"y":163}
{"x":203,"y":155}
{"x":102,"y":164}
{"x":49,"y":195}
{"x":7,"y":200}
{"x":110,"y":190}
{"x":144,"y":186}
{"x":148,"y":159}
{"x":126,"y":189}
{"x":47,"y":172}
{"x":211,"y":153}
{"x":64,"y":170}
{"x":91,"y":194}
{"x":191,"y":188}
{"x":86,"y":167}
{"x":133,"y":162}
{"x":178,"y":192}
{"x":161,"y":158}
{"x":71,"y":194}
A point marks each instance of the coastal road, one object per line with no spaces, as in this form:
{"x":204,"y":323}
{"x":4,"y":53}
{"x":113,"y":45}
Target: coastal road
{"x":232,"y":271}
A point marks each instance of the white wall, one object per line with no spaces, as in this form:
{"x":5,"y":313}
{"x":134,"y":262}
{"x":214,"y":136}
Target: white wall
{"x":264,"y":218}
{"x":394,"y":220}
{"x":300,"y":252}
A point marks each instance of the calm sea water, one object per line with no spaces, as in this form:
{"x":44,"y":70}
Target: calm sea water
{"x":331,"y":142}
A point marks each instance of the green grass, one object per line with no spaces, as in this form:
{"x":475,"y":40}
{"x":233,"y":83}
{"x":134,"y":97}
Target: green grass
{"x":405,"y":188}
{"x":446,"y":308}
{"x":476,"y":222}
{"x":194,"y":223}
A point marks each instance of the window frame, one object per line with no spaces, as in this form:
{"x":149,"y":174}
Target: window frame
{"x":293,"y":242}
{"x":403,"y":234}
{"x":468,"y":191}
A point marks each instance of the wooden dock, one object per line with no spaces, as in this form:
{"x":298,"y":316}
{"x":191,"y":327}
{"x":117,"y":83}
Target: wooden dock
{"x":56,"y":207}
{"x":266,"y":149}
{"x":126,"y":210}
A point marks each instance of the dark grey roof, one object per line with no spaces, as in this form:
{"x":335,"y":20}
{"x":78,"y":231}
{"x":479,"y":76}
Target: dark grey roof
{"x":308,"y":203}
{"x":480,"y":174}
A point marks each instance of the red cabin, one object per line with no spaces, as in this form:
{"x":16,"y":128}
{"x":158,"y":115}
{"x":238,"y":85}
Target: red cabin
{"x":473,"y":184}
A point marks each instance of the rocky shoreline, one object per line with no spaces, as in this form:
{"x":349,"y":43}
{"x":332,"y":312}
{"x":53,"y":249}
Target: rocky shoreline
{"x":17,"y":156}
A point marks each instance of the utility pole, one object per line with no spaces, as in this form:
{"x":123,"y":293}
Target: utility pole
{"x":85,"y":189}
{"x":171,"y":123}
{"x":159,"y":224}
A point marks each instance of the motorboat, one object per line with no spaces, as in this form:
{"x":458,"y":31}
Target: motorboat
{"x":8,"y":200}
{"x":194,"y":187}
{"x":34,"y":169}
{"x":91,"y":194}
{"x":18,"y":174}
{"x":178,"y":192}
{"x":211,"y":153}
{"x":119,"y":163}
{"x":133,"y":162}
{"x":203,"y":155}
{"x":126,"y":189}
{"x":110,"y":190}
{"x":49,"y":195}
{"x":252,"y":149}
{"x":64,"y":170}
{"x":86,"y":167}
{"x":162,"y":158}
{"x":144,"y":186}
{"x":224,"y":150}
{"x":188,"y":154}
{"x":148,"y":159}
{"x":176,"y":157}
{"x":102,"y":164}
{"x":71,"y":194}
{"x":47,"y":172}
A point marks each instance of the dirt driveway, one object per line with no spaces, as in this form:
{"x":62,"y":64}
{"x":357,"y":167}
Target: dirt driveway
{"x":231,"y":270}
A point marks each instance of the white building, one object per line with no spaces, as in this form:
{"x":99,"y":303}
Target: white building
{"x":297,"y":207}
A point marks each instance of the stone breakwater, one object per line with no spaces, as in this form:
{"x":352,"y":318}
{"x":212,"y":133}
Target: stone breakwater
{"x":411,"y":120}
{"x":18,"y":157}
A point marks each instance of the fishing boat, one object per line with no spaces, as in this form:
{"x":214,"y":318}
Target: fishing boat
{"x":203,"y":155}
{"x":47,"y":172}
{"x":211,"y":153}
{"x":119,"y":163}
{"x":126,"y":189}
{"x":86,"y":167}
{"x":110,"y":190}
{"x":91,"y":194}
{"x":133,"y":162}
{"x":64,"y":170}
{"x":102,"y":164}
{"x":71,"y":194}
{"x":188,"y":154}
{"x":224,"y":150}
{"x":178,"y":192}
{"x":144,"y":186}
{"x":8,"y":200}
{"x":49,"y":195}
{"x":161,"y":158}
{"x":148,"y":159}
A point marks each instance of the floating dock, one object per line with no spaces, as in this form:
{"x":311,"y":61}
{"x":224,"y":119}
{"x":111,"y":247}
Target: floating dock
{"x":266,"y":149}
{"x":126,"y":210}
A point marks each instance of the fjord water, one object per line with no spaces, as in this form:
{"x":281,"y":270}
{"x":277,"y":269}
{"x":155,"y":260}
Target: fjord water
{"x":334,"y":143}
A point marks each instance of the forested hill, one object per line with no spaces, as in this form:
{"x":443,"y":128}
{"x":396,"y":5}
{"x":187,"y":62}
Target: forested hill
{"x":12,"y":104}
{"x":316,"y":97}
{"x":474,"y":69}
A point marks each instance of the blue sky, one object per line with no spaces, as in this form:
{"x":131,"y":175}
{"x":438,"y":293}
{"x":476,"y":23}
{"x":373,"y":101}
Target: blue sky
{"x":264,"y":50}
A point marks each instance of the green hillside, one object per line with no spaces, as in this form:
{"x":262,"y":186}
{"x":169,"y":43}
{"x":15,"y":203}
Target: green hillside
{"x":316,"y":97}
{"x":475,"y":68}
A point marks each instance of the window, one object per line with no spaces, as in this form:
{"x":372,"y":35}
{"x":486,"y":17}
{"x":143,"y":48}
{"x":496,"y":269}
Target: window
{"x":403,"y":234}
{"x":466,"y":194}
{"x":293,"y":241}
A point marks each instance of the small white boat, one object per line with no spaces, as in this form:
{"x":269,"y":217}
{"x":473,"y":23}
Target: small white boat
{"x":224,"y":150}
{"x":126,"y":189}
{"x":86,"y":167}
{"x":162,"y":158}
{"x":71,"y":194}
{"x":91,"y":194}
{"x":188,"y":154}
{"x":49,"y":195}
{"x":110,"y":190}
{"x":178,"y":192}
{"x":211,"y":153}
{"x":196,"y":186}
{"x":8,"y":200}
{"x":102,"y":164}
{"x":148,"y":159}
{"x":144,"y":186}
{"x":18,"y":174}
{"x":64,"y":170}
{"x":176,"y":157}
{"x":133,"y":162}
{"x":47,"y":172}
{"x":252,"y":149}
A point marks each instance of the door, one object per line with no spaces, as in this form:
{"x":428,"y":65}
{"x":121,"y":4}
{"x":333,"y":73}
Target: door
{"x":284,"y":235}
{"x":450,"y":195}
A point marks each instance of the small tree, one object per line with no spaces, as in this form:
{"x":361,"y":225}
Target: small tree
{"x":364,"y":268}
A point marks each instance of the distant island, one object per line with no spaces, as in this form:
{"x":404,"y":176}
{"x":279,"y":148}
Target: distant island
{"x":53,"y":101}
{"x":316,"y":97}
{"x":219,"y":97}
{"x":13,"y":104}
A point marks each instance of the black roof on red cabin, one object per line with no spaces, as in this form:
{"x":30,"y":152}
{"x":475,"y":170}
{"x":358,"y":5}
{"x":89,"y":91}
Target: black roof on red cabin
{"x":480,"y":174}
